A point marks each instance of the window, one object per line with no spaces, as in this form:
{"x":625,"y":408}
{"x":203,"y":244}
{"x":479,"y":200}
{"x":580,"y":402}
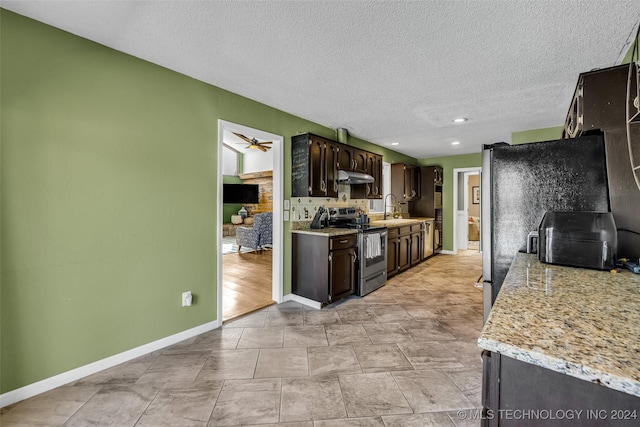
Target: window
{"x":377,"y":205}
{"x":230,"y":161}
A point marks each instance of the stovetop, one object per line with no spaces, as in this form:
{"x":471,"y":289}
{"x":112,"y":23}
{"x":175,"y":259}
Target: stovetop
{"x":365,"y":227}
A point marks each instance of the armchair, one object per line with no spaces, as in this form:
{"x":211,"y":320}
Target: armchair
{"x":258,"y":236}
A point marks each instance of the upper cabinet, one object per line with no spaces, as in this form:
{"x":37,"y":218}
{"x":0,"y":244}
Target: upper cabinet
{"x":315,"y":162}
{"x":352,"y":159}
{"x":314,"y":166}
{"x":374,"y":168}
{"x":405,"y":182}
{"x":599,"y":101}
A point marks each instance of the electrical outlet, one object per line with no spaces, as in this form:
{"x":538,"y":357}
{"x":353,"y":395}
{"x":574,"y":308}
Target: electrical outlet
{"x":186,"y":299}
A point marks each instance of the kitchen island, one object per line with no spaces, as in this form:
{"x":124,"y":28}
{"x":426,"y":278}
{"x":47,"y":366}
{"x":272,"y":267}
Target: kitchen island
{"x":561,"y":338}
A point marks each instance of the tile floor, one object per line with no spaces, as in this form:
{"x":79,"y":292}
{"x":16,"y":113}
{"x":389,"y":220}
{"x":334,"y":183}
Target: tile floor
{"x":405,"y":355}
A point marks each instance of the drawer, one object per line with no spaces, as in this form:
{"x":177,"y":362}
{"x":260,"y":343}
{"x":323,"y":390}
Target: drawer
{"x":342,"y":242}
{"x":392,"y":232}
{"x":416,"y":227}
{"x":405,"y":230}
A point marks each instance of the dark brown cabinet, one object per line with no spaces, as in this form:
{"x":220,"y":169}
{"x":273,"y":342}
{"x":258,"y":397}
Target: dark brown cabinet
{"x":360,"y":157}
{"x":430,"y":204}
{"x":416,"y":245}
{"x":374,"y":168}
{"x":404,"y":248}
{"x":314,"y":168}
{"x":404,"y":252}
{"x":373,"y":164}
{"x":519,"y":387}
{"x":345,"y":158}
{"x":323,"y":267}
{"x":405,"y":182}
{"x":599,"y":102}
{"x":393,"y":249}
{"x":315,"y":162}
{"x":352,"y":159}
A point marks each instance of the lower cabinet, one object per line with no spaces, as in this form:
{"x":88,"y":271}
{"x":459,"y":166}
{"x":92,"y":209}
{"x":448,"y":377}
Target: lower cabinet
{"x":404,"y":248}
{"x":323,"y":267}
{"x":512,"y":389}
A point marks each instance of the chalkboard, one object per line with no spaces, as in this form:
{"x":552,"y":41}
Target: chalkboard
{"x":300,"y":165}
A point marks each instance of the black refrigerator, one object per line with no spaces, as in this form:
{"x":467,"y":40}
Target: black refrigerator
{"x":521,"y":182}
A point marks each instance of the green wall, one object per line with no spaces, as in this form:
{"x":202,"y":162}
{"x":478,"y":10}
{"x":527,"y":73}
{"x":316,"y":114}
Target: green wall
{"x":108,"y":198}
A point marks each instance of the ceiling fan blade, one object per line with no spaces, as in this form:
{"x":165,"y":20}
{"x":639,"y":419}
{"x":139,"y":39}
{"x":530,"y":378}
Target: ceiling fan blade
{"x":265,"y":143}
{"x":260,"y":147}
{"x":239,"y":135}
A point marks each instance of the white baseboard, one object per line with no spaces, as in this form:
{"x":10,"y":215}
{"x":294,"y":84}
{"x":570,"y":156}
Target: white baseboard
{"x":443,"y":252}
{"x":302,"y":300}
{"x":50,"y":383}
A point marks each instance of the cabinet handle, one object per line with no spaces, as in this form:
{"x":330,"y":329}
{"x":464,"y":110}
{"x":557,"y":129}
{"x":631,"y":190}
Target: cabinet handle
{"x":368,"y":189}
{"x":323,"y":186}
{"x":344,"y":241}
{"x":353,"y":255}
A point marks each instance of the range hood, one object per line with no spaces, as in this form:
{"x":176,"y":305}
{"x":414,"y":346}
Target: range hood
{"x":349,"y":177}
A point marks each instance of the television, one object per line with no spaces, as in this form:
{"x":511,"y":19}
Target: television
{"x":240,"y":193}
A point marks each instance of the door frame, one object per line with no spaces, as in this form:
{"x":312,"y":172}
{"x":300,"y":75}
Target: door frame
{"x":457,"y":171}
{"x":278,"y":161}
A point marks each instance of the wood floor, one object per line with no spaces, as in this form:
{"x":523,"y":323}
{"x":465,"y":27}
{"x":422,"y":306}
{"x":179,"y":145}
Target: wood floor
{"x":246,"y":283}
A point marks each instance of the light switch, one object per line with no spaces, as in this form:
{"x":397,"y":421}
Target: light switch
{"x":286,"y":216}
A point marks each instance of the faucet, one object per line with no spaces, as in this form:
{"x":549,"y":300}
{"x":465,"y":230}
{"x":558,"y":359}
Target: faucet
{"x":385,"y":203}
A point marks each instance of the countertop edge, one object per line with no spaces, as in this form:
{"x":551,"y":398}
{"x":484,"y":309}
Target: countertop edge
{"x":582,"y":372}
{"x":328,"y":233}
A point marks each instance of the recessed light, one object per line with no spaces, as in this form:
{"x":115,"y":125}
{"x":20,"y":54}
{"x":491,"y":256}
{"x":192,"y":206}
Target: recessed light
{"x":395,"y":143}
{"x":460,"y":120}
{"x":455,"y":143}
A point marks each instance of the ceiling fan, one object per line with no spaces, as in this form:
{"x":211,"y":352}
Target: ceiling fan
{"x":254,"y":143}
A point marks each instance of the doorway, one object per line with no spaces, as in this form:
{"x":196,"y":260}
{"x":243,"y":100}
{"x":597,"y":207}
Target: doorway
{"x":466,"y":207}
{"x":275,"y":254}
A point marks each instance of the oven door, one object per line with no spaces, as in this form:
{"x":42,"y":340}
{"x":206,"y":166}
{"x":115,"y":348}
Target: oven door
{"x":373,"y":252}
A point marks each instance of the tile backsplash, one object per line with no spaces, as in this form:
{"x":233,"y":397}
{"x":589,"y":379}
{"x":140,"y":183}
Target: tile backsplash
{"x":304,"y":208}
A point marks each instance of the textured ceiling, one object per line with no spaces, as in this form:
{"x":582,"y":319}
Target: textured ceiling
{"x":393,"y":71}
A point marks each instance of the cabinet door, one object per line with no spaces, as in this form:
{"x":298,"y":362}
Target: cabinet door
{"x":392,"y":256}
{"x":360,"y":160}
{"x":342,"y":273}
{"x":374,"y":168}
{"x":404,"y":252}
{"x":411,"y":182}
{"x":416,"y":187}
{"x":317,"y":163}
{"x":345,"y":157}
{"x":416,"y":248}
{"x":331,"y":168}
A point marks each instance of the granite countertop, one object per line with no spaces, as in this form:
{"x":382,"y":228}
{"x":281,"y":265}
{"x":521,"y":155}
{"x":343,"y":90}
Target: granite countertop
{"x":395,"y":222}
{"x":329,"y":232}
{"x":579,"y":322}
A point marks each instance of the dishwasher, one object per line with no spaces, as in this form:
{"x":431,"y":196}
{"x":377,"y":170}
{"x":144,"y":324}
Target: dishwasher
{"x":427,"y":238}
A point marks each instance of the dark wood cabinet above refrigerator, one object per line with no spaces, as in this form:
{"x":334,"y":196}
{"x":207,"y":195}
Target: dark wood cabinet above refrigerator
{"x":605,"y":101}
